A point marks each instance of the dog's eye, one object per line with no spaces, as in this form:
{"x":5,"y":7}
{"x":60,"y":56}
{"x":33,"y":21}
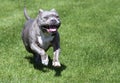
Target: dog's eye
{"x":45,"y":17}
{"x":57,"y":16}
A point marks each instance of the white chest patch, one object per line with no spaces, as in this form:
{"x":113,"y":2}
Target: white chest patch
{"x":44,"y":41}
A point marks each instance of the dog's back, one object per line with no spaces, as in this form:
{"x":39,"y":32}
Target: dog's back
{"x":25,"y":34}
{"x":25,"y":31}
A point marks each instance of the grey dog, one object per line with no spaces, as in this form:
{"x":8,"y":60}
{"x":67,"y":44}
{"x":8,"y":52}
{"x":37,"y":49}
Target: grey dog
{"x":41,"y":33}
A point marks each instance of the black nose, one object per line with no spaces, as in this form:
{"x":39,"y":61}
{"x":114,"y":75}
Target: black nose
{"x":53,"y":21}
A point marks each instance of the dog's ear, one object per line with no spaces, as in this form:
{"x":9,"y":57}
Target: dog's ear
{"x":53,"y":10}
{"x":40,"y":10}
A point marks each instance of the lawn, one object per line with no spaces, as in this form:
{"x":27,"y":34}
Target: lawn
{"x":90,"y":42}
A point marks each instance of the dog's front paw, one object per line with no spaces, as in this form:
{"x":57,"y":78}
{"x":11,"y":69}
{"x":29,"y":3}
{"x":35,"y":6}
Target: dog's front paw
{"x":56,"y":64}
{"x":45,"y":61}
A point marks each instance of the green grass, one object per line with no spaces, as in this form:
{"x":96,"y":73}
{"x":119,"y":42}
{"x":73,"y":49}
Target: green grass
{"x":90,"y":42}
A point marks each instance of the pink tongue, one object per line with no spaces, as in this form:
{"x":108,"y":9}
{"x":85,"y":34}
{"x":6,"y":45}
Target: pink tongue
{"x":51,"y":30}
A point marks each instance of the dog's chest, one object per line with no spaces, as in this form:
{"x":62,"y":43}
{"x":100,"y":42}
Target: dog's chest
{"x":45,"y":41}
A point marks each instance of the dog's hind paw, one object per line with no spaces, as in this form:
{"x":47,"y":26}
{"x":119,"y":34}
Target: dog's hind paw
{"x":45,"y":61}
{"x":56,"y":64}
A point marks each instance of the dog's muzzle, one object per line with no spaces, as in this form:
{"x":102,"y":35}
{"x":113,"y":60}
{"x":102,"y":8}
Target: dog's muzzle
{"x":51,"y":28}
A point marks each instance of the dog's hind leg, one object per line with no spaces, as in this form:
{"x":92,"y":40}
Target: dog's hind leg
{"x":36,"y":58}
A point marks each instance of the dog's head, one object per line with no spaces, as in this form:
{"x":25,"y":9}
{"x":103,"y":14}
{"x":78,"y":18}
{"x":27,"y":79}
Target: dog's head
{"x":48,"y":20}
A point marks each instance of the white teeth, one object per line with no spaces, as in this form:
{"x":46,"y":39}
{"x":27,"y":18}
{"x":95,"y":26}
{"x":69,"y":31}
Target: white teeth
{"x":51,"y":30}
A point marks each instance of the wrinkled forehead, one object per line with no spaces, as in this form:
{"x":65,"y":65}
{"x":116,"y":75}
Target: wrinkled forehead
{"x":49,"y":13}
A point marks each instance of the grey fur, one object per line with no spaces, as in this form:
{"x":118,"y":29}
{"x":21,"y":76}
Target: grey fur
{"x":41,"y":33}
{"x":25,"y":14}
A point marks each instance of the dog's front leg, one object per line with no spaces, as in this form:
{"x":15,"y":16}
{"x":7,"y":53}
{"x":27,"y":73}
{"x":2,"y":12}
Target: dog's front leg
{"x":56,"y":47}
{"x":41,"y":52}
{"x":56,"y":62}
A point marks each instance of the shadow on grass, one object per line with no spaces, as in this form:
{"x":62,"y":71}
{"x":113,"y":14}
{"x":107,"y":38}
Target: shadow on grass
{"x":39,"y":66}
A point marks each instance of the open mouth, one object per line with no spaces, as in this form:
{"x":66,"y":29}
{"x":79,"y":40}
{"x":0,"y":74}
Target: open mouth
{"x":50,"y":28}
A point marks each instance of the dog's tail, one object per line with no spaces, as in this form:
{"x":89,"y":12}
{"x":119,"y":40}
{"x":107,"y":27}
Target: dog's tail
{"x":25,"y":14}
